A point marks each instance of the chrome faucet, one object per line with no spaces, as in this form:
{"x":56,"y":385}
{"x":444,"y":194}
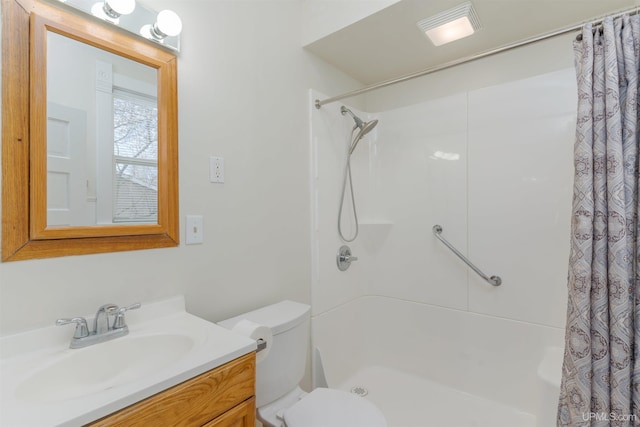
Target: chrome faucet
{"x":103,"y":328}
{"x":101,"y":321}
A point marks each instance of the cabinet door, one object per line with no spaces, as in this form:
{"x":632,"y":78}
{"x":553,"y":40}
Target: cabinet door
{"x":194,"y":402}
{"x":243,"y":415}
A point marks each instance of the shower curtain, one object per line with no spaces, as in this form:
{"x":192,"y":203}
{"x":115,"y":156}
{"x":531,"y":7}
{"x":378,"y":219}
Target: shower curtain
{"x":600,"y":375}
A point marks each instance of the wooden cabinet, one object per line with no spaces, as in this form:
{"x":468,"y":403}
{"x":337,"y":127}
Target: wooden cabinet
{"x":243,"y":415}
{"x":222,"y":397}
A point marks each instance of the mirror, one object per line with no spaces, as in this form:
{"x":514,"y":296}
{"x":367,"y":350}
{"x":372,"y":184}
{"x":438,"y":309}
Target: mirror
{"x":102,"y":136}
{"x":89,"y":144}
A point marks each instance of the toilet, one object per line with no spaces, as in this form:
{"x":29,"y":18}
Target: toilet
{"x":280,"y":402}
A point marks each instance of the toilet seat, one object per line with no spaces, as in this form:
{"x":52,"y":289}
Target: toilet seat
{"x":325,"y":407}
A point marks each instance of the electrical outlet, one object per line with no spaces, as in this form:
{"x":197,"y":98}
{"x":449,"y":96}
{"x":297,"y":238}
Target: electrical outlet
{"x":194,"y":230}
{"x":216,"y":169}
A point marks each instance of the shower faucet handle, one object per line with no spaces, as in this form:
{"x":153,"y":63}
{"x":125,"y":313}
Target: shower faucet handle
{"x":344,"y":258}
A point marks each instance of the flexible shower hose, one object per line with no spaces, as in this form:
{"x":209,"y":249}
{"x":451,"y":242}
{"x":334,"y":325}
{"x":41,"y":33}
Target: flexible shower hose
{"x":347,"y":174}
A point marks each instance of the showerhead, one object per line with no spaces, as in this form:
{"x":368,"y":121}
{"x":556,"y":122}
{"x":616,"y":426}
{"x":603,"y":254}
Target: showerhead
{"x":365,"y":127}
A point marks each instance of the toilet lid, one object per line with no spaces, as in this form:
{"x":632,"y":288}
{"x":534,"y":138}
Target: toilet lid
{"x":325,"y":407}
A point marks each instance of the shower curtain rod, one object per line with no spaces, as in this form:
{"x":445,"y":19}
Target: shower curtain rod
{"x":319,"y":103}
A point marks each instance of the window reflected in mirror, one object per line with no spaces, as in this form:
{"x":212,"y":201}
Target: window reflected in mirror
{"x":135,"y":158}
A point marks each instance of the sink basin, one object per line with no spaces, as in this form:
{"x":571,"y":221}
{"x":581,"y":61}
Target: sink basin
{"x":103,"y":366}
{"x":45,"y":383}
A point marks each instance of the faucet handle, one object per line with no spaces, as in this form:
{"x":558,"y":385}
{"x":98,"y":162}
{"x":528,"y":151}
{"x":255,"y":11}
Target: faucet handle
{"x":119,"y":322}
{"x":81,"y":326}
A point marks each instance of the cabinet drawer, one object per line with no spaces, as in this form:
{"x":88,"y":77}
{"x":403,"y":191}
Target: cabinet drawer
{"x":243,"y":415}
{"x":193,"y":402}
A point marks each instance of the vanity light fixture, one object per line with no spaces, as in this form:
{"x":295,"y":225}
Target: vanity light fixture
{"x":167,"y":24}
{"x":163,"y":28}
{"x":111,"y":10}
{"x":450,"y":25}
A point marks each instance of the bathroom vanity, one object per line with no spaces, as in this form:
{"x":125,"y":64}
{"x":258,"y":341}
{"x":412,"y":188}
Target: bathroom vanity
{"x":222,"y":397}
{"x":171,"y":369}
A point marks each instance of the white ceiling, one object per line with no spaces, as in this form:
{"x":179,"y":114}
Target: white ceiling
{"x":388,"y":44}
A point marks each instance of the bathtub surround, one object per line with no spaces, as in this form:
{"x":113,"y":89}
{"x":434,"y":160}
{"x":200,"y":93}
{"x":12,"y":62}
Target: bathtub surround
{"x":429,"y":365}
{"x":476,"y":163}
{"x":600,"y":381}
{"x":410,"y":312}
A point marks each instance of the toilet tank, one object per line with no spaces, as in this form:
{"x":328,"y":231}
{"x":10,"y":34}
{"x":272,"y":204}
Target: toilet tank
{"x":282,"y":369}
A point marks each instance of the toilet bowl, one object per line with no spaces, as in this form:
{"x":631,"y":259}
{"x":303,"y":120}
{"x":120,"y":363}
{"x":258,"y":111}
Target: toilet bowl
{"x":323,"y":407}
{"x":280,"y":401}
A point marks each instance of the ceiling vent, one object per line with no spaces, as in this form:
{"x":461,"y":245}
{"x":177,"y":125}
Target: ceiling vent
{"x":450,"y":25}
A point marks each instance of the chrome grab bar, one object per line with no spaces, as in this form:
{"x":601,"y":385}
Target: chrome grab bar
{"x":493,"y":280}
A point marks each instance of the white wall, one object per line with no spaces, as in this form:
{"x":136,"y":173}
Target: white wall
{"x":243,"y":84}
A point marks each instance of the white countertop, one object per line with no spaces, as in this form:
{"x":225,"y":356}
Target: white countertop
{"x":26,"y":354}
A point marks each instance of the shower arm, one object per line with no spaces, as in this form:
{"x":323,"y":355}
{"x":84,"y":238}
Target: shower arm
{"x":493,"y":280}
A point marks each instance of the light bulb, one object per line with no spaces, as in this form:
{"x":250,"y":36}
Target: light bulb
{"x":168,"y":23}
{"x":119,"y":7}
{"x":145,"y":31}
{"x":98,"y":11}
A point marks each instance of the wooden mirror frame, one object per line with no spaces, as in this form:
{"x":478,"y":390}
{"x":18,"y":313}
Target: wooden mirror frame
{"x":25,"y":234}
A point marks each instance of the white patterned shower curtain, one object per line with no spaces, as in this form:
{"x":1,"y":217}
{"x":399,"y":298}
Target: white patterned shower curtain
{"x":601,"y":375}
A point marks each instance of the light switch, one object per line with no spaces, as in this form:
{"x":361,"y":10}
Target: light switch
{"x":194,"y":233}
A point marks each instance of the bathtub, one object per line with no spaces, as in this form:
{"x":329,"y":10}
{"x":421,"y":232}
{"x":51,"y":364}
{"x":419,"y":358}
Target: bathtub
{"x":430,"y":366}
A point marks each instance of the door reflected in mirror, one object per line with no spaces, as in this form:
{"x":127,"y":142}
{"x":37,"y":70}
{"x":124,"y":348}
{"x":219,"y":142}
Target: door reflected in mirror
{"x":102,"y":137}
